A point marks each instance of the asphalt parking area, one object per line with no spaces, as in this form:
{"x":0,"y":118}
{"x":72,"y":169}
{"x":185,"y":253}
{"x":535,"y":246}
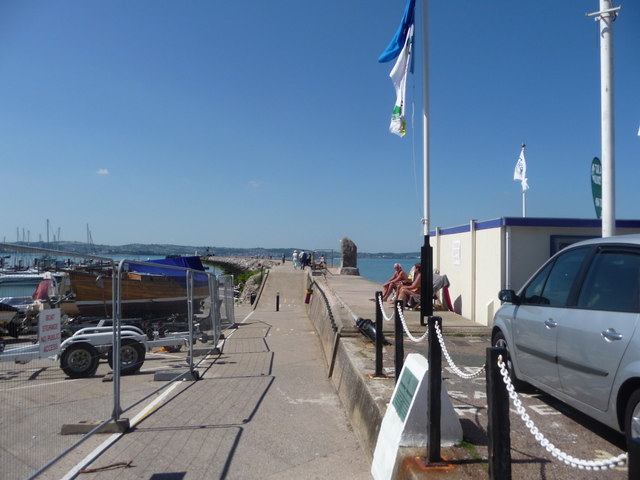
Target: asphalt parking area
{"x":568,"y":429}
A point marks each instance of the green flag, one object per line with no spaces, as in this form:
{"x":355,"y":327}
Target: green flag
{"x":596,"y":185}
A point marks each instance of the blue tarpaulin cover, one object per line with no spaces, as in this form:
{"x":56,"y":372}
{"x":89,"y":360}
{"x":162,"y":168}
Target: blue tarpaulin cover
{"x":193,"y":263}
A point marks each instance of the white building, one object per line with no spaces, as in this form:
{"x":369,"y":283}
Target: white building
{"x":482,"y":258}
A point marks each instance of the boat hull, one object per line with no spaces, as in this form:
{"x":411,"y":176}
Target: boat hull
{"x":142,"y":295}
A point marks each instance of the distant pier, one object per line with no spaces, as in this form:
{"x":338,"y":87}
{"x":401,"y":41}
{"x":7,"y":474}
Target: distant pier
{"x":236,"y":265}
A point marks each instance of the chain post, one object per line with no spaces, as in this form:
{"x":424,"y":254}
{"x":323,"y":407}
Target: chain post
{"x":378,"y":336}
{"x":426,"y":280}
{"x":399,"y":340}
{"x":189,"y":278}
{"x":434,"y":407}
{"x":633,"y":458}
{"x":499,"y":427}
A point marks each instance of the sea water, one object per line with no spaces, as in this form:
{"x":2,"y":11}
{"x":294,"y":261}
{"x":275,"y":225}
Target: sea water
{"x":380,"y":270}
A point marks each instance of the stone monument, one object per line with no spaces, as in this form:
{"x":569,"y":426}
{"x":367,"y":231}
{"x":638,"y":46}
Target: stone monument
{"x":349,"y":260}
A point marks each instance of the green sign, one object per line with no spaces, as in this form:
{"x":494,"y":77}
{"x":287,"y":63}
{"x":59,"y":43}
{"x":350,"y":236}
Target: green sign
{"x":404,"y":393}
{"x":596,"y":185}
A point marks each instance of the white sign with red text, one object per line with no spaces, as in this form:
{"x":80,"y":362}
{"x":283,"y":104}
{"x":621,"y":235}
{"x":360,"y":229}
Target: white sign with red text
{"x":49,"y":332}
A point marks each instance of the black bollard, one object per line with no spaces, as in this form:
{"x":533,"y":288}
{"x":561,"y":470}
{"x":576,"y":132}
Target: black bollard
{"x":499,"y":425}
{"x":399,"y":340}
{"x":277,"y":301}
{"x":633,"y":458}
{"x":378,"y":335}
{"x":434,"y":406}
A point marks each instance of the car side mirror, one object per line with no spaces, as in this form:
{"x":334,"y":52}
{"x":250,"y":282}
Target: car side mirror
{"x":509,"y":296}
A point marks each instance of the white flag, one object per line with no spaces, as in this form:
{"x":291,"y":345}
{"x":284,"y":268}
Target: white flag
{"x":399,"y":78}
{"x":520,"y":172}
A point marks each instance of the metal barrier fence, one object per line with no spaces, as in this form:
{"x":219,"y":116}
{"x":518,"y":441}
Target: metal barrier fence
{"x":59,"y":374}
{"x":225,"y":294}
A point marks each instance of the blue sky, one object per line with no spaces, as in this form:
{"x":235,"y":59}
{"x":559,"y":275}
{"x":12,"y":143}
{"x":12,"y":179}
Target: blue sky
{"x":265,"y":123}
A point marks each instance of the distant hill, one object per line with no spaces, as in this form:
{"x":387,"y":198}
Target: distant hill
{"x":167,"y":249}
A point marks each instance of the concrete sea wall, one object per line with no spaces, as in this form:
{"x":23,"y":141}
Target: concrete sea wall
{"x":347,"y":367}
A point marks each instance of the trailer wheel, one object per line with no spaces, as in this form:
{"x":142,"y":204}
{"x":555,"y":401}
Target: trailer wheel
{"x":79,"y":360}
{"x":132,"y":355}
{"x":13,"y":330}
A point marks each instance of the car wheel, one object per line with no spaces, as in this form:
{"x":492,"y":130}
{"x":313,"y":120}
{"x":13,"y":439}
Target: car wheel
{"x":132,"y":355}
{"x":79,"y":360}
{"x":499,"y":341}
{"x":632,"y":417}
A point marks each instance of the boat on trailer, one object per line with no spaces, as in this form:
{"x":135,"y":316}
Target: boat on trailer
{"x":8,"y":317}
{"x":147,"y":290}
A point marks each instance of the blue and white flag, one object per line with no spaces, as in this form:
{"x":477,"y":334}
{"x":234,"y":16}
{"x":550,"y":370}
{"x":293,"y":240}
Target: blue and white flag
{"x":520,"y":172}
{"x":398,"y":76}
{"x":400,"y":48}
{"x":400,"y":38}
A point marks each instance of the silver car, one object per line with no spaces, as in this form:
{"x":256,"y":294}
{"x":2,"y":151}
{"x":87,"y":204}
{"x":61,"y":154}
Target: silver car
{"x":572,"y":330}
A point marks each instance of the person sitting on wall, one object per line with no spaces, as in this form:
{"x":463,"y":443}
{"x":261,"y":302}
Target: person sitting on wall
{"x":399,"y":276}
{"x":405,"y":291}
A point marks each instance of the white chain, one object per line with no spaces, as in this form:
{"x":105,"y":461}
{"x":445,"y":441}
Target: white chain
{"x":612,"y":462}
{"x":384,"y":315}
{"x":453,"y":366}
{"x":406,"y":329}
{"x":404,"y":323}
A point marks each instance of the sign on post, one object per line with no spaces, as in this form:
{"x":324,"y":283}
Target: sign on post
{"x":49,"y":332}
{"x":405,"y":421}
{"x":596,"y":185}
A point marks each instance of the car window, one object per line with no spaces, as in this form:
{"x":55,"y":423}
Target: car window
{"x":562,"y":276}
{"x":553,"y":284}
{"x":532,"y":294}
{"x":612,"y":283}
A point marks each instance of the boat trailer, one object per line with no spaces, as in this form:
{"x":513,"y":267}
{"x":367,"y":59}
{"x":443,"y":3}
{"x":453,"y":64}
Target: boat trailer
{"x":80,"y":354}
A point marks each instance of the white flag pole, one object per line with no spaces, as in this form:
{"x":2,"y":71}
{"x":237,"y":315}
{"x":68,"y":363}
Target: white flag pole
{"x":426,"y":258}
{"x":426,"y":252}
{"x":606,"y":18}
{"x":425,"y":114}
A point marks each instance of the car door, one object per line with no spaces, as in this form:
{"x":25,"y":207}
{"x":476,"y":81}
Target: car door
{"x":541,"y":310}
{"x":596,"y":332}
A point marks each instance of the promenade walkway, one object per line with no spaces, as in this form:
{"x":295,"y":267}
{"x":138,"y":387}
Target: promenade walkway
{"x":356,"y":296}
{"x":264,"y":408}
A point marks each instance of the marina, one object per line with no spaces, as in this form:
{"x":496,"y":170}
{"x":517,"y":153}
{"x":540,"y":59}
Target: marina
{"x":33,"y":280}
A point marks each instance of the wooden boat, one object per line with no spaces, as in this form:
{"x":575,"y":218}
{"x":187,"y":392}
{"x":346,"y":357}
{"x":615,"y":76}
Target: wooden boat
{"x":146,"y":291}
